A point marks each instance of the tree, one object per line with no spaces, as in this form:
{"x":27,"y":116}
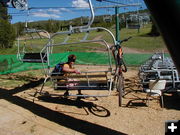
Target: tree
{"x":154,"y":30}
{"x":51,"y":26}
{"x":19,"y":28}
{"x":3,"y":12}
{"x":7,"y":32}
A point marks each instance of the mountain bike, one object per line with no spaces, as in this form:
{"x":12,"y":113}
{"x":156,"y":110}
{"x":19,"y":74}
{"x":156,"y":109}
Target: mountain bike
{"x":120,"y":68}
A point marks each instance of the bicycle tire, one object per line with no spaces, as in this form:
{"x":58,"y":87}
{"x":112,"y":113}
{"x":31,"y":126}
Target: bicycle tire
{"x":120,"y":88}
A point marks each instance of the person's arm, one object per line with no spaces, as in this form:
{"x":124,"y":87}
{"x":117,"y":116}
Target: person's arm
{"x":70,"y":70}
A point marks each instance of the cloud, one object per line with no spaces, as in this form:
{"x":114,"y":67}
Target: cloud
{"x":44,"y":14}
{"x":80,"y":3}
{"x":52,"y":13}
{"x":30,"y":20}
{"x":64,"y":9}
{"x":55,"y":11}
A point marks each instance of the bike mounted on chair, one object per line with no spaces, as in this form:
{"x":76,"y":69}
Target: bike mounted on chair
{"x":120,"y":68}
{"x":87,"y":80}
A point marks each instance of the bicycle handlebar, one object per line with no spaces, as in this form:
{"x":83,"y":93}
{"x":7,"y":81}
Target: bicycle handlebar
{"x":124,"y":40}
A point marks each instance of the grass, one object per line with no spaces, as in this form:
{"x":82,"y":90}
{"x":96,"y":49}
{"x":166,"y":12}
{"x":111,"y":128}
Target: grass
{"x":8,"y":51}
{"x":143,"y":41}
{"x":19,"y":79}
{"x":7,"y":82}
{"x":139,"y":41}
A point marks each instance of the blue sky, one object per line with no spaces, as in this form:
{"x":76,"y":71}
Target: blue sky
{"x":61,"y":9}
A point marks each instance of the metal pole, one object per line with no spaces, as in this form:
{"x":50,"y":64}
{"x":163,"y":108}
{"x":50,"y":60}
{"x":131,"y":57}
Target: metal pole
{"x":117,"y":26}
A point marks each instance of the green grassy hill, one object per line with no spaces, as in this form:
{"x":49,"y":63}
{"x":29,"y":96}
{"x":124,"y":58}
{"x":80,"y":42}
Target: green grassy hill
{"x":140,"y":41}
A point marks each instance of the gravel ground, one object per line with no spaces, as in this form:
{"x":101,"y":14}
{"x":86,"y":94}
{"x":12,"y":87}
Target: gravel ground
{"x":19,"y":115}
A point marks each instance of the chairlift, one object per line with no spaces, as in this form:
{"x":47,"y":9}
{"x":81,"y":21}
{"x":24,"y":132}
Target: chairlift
{"x":30,"y":45}
{"x":18,"y":4}
{"x":133,"y":21}
{"x":145,"y":18}
{"x":160,"y":67}
{"x":107,"y":18}
{"x":89,"y":79}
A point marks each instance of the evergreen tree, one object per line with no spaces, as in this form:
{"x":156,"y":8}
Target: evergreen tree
{"x":19,"y":28}
{"x":7,"y":32}
{"x":154,"y":30}
{"x":3,"y":12}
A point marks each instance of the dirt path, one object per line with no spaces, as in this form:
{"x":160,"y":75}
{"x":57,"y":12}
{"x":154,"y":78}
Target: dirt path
{"x":68,"y":116}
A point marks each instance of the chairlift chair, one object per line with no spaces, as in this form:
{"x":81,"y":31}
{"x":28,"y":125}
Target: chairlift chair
{"x":133,"y":22}
{"x":159,"y":66}
{"x":88,"y":79}
{"x":107,"y":18}
{"x":28,"y":50}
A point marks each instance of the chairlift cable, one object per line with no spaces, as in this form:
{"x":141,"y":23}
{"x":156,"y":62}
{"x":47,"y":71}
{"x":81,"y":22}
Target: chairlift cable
{"x":79,"y":10}
{"x":113,"y":2}
{"x":55,"y":7}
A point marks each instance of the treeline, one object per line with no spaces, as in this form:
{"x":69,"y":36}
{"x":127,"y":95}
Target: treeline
{"x":53,"y":26}
{"x":7,"y":31}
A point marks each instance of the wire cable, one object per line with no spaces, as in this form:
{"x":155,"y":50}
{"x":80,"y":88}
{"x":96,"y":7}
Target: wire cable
{"x":112,"y":2}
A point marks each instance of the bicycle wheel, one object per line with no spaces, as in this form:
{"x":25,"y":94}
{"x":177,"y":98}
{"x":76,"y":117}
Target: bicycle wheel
{"x":120,"y":88}
{"x":99,"y":111}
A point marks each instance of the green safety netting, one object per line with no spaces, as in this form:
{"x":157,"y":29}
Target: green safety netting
{"x":10,"y":63}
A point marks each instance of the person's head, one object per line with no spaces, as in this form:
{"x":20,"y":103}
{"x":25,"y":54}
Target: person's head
{"x":71,"y":59}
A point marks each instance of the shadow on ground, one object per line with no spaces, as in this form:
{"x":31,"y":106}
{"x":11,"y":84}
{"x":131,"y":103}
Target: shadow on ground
{"x":172,"y":102}
{"x":79,"y":125}
{"x":135,"y":100}
{"x":97,"y":110}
